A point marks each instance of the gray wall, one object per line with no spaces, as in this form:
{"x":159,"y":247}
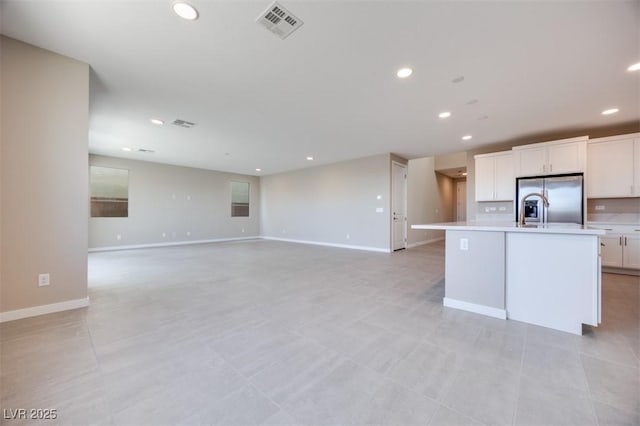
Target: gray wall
{"x":175,"y":201}
{"x":430,"y":199}
{"x":323,"y":204}
{"x":44,"y":188}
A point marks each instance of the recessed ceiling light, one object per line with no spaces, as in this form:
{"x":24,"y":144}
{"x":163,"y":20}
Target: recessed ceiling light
{"x":310,"y":158}
{"x":466,"y":137}
{"x":464,"y":174}
{"x":126,"y":149}
{"x":185,"y":10}
{"x":404,"y":72}
{"x":258,"y":170}
{"x":634,"y":67}
{"x":610,"y":111}
{"x":156,"y":121}
{"x":445,"y":114}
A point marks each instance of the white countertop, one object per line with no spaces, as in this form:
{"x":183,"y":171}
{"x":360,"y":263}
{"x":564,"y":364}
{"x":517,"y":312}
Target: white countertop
{"x":547,"y":228}
{"x":616,"y":226}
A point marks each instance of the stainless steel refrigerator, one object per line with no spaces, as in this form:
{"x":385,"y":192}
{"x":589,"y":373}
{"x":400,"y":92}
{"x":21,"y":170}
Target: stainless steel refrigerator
{"x":565,"y":194}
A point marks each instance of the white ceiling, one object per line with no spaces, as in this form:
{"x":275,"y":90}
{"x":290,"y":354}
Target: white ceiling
{"x":330,"y":90}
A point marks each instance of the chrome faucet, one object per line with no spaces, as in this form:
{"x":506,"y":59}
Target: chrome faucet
{"x":539,"y":194}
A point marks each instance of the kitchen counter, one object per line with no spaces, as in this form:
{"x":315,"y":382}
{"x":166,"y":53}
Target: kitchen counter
{"x":547,"y":275}
{"x":548,"y":228}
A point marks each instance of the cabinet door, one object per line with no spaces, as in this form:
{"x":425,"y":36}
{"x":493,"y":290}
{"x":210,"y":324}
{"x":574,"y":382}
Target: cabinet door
{"x":565,"y":158}
{"x":611,"y":251}
{"x":505,"y":183}
{"x":636,"y":167}
{"x":631,"y":251}
{"x":531,"y":161}
{"x":610,"y":169}
{"x":485,"y":176}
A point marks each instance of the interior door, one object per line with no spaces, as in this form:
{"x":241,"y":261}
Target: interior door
{"x":399,"y":206}
{"x":461,"y":201}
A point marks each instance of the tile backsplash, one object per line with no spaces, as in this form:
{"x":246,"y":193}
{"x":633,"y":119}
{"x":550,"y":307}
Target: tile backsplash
{"x":622,"y":210}
{"x":495,"y":211}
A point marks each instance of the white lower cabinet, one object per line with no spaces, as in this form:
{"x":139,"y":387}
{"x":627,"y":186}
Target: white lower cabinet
{"x":631,"y":251}
{"x":621,"y":250}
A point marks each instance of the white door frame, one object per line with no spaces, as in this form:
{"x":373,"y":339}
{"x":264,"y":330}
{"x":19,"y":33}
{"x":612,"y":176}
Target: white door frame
{"x":395,"y":247}
{"x":459,"y":183}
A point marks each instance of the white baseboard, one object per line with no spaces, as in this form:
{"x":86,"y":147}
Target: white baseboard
{"x":622,"y":271}
{"x":176,"y":243}
{"x":318,"y":243}
{"x":421,"y":243}
{"x":43,"y":309}
{"x":472,"y":307}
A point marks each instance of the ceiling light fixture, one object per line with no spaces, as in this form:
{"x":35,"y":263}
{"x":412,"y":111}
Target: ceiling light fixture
{"x":126,"y":149}
{"x":466,"y":137}
{"x":634,"y":67}
{"x":258,"y":170}
{"x":445,"y":114}
{"x":309,"y":158}
{"x":610,"y":111}
{"x":404,"y":72}
{"x":156,"y":121}
{"x":185,"y":10}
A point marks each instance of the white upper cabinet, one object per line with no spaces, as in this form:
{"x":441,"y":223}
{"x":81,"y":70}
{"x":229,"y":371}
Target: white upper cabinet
{"x":636,"y":166}
{"x":494,"y":177}
{"x":530,"y":161}
{"x":612,"y":167}
{"x":556,"y":157}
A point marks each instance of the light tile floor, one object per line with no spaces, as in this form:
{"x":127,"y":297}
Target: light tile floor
{"x":275,"y":333}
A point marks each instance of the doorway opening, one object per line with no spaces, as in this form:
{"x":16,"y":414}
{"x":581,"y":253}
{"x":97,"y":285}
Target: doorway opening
{"x":398,"y":206}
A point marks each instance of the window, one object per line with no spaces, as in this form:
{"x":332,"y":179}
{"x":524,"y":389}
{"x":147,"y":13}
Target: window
{"x":239,"y":199}
{"x":109,"y":192}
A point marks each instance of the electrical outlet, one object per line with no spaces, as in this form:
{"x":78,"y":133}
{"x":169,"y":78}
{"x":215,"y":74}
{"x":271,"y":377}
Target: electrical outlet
{"x":600,"y":207}
{"x":43,"y":280}
{"x":242,"y":230}
{"x":464,"y":244}
{"x":188,"y":197}
{"x":164,"y":234}
{"x":118,"y":237}
{"x":348,"y":236}
{"x":503,"y":209}
{"x":188,"y":233}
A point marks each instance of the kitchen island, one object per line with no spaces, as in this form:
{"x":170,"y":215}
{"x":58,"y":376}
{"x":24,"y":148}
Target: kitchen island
{"x":548,"y":275}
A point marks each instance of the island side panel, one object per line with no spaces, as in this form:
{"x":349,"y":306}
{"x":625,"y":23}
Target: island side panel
{"x":474,"y":277}
{"x":552,"y":280}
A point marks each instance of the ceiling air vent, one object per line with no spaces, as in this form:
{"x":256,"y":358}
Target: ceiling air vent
{"x":279,"y":20}
{"x":183,"y":123}
{"x":146,"y":151}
